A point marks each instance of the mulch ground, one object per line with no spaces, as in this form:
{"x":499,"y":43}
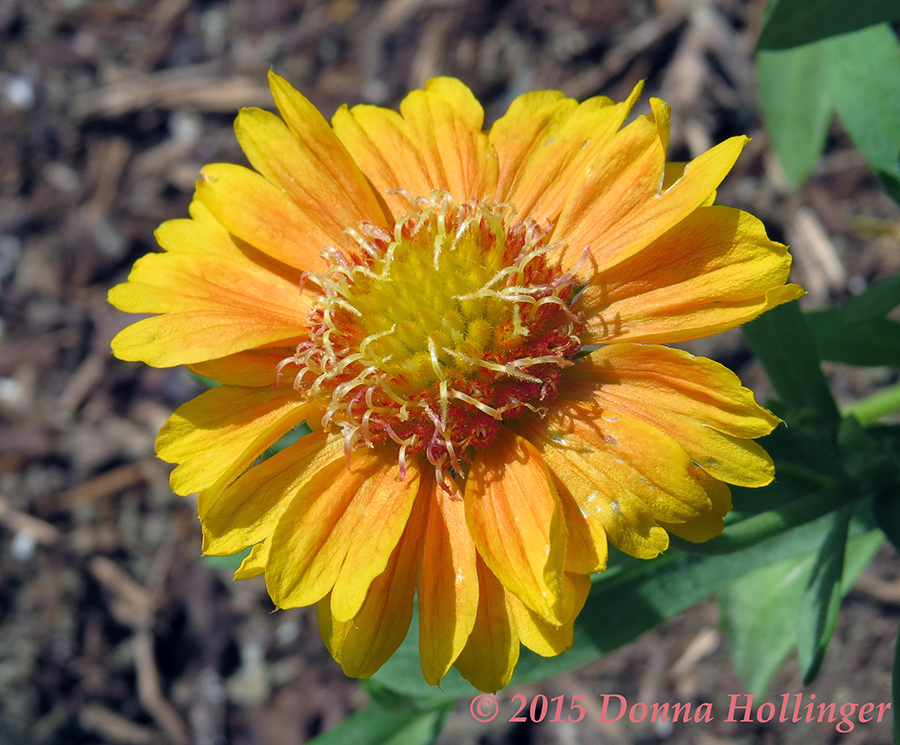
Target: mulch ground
{"x":112,"y":628}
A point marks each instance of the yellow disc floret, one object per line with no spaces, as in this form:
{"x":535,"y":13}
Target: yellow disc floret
{"x":432,"y":336}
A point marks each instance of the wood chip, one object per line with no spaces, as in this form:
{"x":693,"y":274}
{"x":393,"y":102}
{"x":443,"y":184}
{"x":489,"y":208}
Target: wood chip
{"x":111,"y":483}
{"x":184,"y":89}
{"x":114,"y":727}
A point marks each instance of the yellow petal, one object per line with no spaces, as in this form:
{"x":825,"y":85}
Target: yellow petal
{"x":545,"y":141}
{"x":380,"y":524}
{"x":623,"y":474}
{"x":696,"y":401}
{"x":435,"y":143}
{"x":492,"y":651}
{"x":673,"y":172}
{"x":327,"y":523}
{"x":713,"y":271}
{"x":544,"y":638}
{"x":448,"y":584}
{"x":516,"y":522}
{"x":304,"y":158}
{"x":586,"y":546}
{"x":262,"y":215}
{"x":212,"y":307}
{"x":362,"y":645}
{"x":248,"y":511}
{"x":619,"y":207}
{"x":254,"y":563}
{"x":222,"y":431}
{"x":380,"y":142}
{"x":710,"y":524}
{"x":255,"y":367}
{"x":203,"y":235}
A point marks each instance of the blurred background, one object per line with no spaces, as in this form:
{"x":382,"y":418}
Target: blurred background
{"x":112,"y":628}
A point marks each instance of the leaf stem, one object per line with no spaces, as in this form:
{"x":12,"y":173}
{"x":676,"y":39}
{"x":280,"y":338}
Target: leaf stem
{"x":870,"y":409}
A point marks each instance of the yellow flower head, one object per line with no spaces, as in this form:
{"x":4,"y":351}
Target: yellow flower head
{"x":468,"y":322}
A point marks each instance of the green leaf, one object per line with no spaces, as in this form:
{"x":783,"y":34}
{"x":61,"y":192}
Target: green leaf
{"x":759,"y":611}
{"x":759,"y":619}
{"x":759,"y":614}
{"x":782,"y":342}
{"x":821,"y":599}
{"x":375,"y":725}
{"x":791,"y":23}
{"x":793,"y":92}
{"x":874,"y":343}
{"x":864,"y":85}
{"x":877,"y":300}
{"x":857,"y":332}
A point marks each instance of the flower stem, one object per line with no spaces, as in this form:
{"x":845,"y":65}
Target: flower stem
{"x":870,"y":409}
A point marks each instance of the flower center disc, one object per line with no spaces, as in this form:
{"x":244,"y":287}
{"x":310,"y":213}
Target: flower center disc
{"x":430,"y":337}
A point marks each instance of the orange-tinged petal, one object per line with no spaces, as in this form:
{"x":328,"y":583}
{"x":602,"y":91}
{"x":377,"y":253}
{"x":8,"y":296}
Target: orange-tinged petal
{"x":448,"y":583}
{"x":622,"y":473}
{"x":445,"y":122}
{"x":710,"y":524}
{"x":185,"y":338}
{"x":634,"y":455}
{"x":212,"y":307}
{"x":221,"y":432}
{"x":435,"y":143}
{"x":249,"y":510}
{"x":586,"y":546}
{"x":255,"y":367}
{"x":492,"y":651}
{"x":619,"y":207}
{"x":713,"y":271}
{"x":380,"y":142}
{"x":381,"y":523}
{"x":516,"y":521}
{"x":262,"y":215}
{"x":309,"y":163}
{"x":361,"y":512}
{"x":362,"y":645}
{"x":545,"y":141}
{"x":205,"y":236}
{"x":332,"y":162}
{"x":696,"y":401}
{"x":544,"y":638}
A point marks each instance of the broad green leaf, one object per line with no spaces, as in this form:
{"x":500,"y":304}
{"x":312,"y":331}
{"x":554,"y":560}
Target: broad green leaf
{"x":864,"y":85}
{"x":759,"y":611}
{"x":759,"y":614}
{"x":857,"y":332}
{"x":791,"y":23}
{"x":782,"y":342}
{"x":877,"y":300}
{"x":793,"y":91}
{"x":821,"y":598}
{"x":873,"y":343}
{"x":375,"y":725}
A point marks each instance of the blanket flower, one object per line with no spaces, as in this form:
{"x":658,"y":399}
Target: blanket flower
{"x":471,"y":324}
